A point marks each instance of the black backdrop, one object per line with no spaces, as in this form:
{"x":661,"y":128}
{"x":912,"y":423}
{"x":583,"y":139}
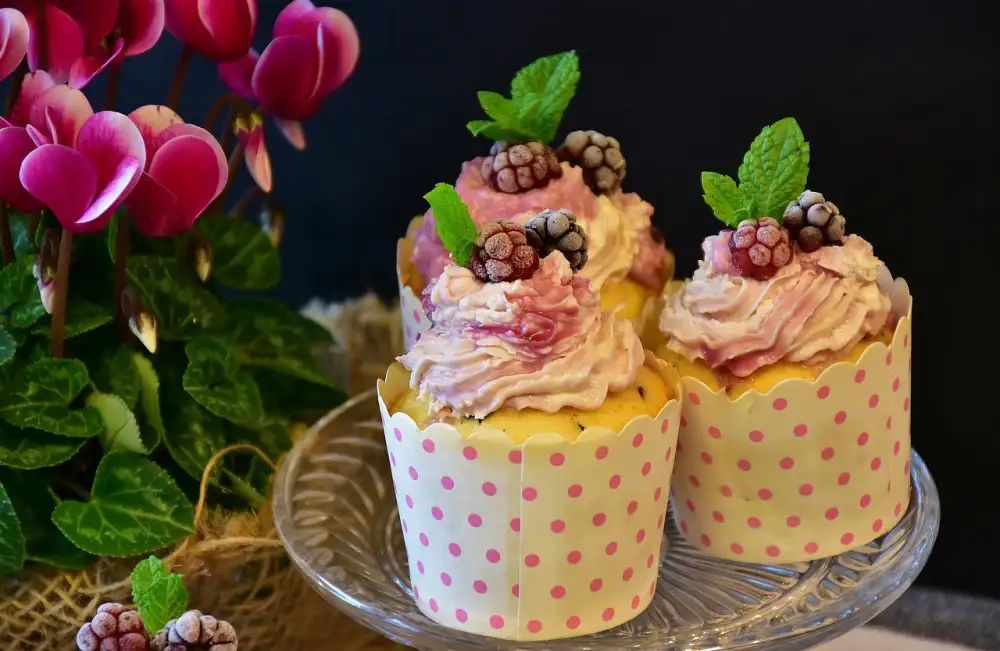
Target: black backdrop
{"x":896,"y":97}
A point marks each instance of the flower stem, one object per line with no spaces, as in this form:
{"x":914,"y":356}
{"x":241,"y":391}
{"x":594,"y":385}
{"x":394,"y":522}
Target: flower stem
{"x":241,"y":205}
{"x":114,"y":78}
{"x":8,"y":244}
{"x":227,"y":128}
{"x":180,"y":73}
{"x":43,"y":35}
{"x":15,"y":87}
{"x":122,"y":241}
{"x":56,"y":345}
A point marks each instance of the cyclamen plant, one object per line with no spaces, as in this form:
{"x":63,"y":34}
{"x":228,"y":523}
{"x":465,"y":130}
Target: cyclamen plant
{"x":120,"y":381}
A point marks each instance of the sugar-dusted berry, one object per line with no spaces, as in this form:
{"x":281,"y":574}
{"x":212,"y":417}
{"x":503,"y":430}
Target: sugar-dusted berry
{"x":558,"y":230}
{"x":113,"y":628}
{"x":813,"y":221}
{"x":758,"y":248}
{"x":502,"y":252}
{"x":600,"y":156}
{"x":520,"y":167}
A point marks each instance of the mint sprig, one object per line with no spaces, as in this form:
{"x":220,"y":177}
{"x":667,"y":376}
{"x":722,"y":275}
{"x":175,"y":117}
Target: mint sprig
{"x":539,"y":96}
{"x":159,"y":594}
{"x":453,"y":223}
{"x":773,"y":173}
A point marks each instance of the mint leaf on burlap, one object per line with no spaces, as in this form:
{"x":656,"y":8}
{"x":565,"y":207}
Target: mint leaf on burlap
{"x":135,"y":508}
{"x":243,"y":256}
{"x":452,"y":221}
{"x":40,"y":398}
{"x":214,"y":378}
{"x":11,"y":538}
{"x":159,"y":594}
{"x":775,"y":168}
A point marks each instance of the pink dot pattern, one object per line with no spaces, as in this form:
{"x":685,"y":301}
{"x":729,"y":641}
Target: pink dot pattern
{"x":809,"y":470}
{"x":543,"y":540}
{"x":415,"y":321}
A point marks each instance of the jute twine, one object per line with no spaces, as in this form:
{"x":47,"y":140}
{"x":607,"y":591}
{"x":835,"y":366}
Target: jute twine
{"x":234,"y":566}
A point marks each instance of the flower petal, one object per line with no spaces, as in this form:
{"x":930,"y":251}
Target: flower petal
{"x":153,"y":121}
{"x":13,"y":40}
{"x":220,"y":156}
{"x":257,"y":159}
{"x":141,"y":23}
{"x":220,"y":30}
{"x":32,"y":87}
{"x":62,"y":179}
{"x":97,"y":18}
{"x":296,"y":11}
{"x":15,"y":144}
{"x":152,"y":206}
{"x":37,"y":136}
{"x":187,"y":167}
{"x":59,"y":113}
{"x":238,"y":75}
{"x":293,"y":132}
{"x":112,"y":195}
{"x":339,"y":45}
{"x":65,"y":43}
{"x":286,"y":76}
{"x":84,"y":69}
{"x":108,"y":139}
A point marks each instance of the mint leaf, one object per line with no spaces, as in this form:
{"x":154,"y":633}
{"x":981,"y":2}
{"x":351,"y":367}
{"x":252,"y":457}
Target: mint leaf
{"x":193,"y":435}
{"x":498,"y":107}
{"x":453,"y":223}
{"x":214,"y":378}
{"x":149,"y":391}
{"x":41,"y":397}
{"x":28,"y":449}
{"x":117,"y":374}
{"x":243,"y":256}
{"x":134,"y":508}
{"x":33,"y":502}
{"x":493,"y":130}
{"x":722,"y":195}
{"x":165,"y":599}
{"x":11,"y":538}
{"x":121,"y":431}
{"x":543,"y":91}
{"x":7,"y":346}
{"x":144,"y":574}
{"x":81,"y":316}
{"x":183,"y":308}
{"x":775,"y":168}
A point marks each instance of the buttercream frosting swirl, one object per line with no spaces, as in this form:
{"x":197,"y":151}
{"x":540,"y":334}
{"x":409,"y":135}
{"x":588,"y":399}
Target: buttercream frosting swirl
{"x":617,"y":225}
{"x":541,"y":343}
{"x":815,"y":308}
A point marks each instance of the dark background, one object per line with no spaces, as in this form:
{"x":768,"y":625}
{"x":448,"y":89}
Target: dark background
{"x":897,"y":98}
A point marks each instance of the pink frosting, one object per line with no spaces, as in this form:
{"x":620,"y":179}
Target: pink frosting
{"x":815,"y":308}
{"x":627,"y":251}
{"x":541,"y":343}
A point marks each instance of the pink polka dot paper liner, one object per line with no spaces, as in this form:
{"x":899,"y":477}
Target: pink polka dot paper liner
{"x":543,"y":540}
{"x":809,"y":470}
{"x":414,"y":318}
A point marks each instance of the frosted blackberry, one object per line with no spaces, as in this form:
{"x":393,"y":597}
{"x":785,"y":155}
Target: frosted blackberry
{"x":600,"y":156}
{"x":813,"y":221}
{"x":194,"y":631}
{"x":758,"y":248}
{"x":113,"y":628}
{"x":558,"y":230}
{"x":502,"y":253}
{"x":520,"y":167}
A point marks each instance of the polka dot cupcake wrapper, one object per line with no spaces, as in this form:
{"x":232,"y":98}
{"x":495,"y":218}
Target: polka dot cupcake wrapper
{"x":808,"y":470}
{"x":543,"y":540}
{"x":415,"y":321}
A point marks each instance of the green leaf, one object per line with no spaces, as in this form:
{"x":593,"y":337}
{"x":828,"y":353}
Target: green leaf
{"x":453,"y":223}
{"x":11,"y":538}
{"x":7,"y":346}
{"x":28,"y":449}
{"x":214,"y":378}
{"x":117,"y":374}
{"x":81,"y":316}
{"x":19,"y":293}
{"x":243,"y":256}
{"x":183,"y":308}
{"x":20,"y":235}
{"x":134,"y":508}
{"x":121,"y":432}
{"x":775,"y":168}
{"x":34,"y":504}
{"x":41,"y":397}
{"x":145,"y":573}
{"x":165,"y":599}
{"x":493,"y":130}
{"x":273,"y":437}
{"x":498,"y":107}
{"x":543,"y":91}
{"x":149,"y":385}
{"x":267,"y":334}
{"x":722,"y":195}
{"x":294,"y":398}
{"x":193,"y":435}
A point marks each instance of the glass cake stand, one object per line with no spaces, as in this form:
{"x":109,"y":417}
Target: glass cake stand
{"x":335,"y":510}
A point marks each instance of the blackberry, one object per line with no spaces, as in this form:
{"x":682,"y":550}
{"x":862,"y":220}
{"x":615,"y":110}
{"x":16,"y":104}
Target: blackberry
{"x":600,"y":157}
{"x":194,"y":631}
{"x":558,"y":230}
{"x":813,"y":221}
{"x":520,"y":167}
{"x":758,"y":248}
{"x":502,"y":253}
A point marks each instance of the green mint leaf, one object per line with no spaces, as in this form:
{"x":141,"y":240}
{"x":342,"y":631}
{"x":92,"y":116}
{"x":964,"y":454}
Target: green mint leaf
{"x":453,"y":223}
{"x":165,"y":599}
{"x":243,"y":256}
{"x":498,"y":107}
{"x":28,"y":449}
{"x":149,"y":391}
{"x":8,"y":346}
{"x":183,"y":308}
{"x":193,"y":435}
{"x":722,"y":195}
{"x":145,"y":573}
{"x":19,"y":293}
{"x":11,"y":538}
{"x":116,"y":373}
{"x":494,"y":131}
{"x":40,"y":398}
{"x":81,"y":316}
{"x":135,"y":508}
{"x":121,"y":431}
{"x":33,"y":502}
{"x":775,"y":168}
{"x":543,"y":91}
{"x":214,"y":378}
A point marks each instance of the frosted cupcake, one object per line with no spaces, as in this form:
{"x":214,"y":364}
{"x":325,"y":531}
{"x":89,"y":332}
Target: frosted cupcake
{"x":531,"y":441}
{"x":793,"y":341}
{"x":523,"y":175}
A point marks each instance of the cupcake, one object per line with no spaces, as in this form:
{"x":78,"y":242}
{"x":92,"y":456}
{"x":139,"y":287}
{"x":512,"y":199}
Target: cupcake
{"x":522,"y":175}
{"x":531,"y":441}
{"x":793,"y":342}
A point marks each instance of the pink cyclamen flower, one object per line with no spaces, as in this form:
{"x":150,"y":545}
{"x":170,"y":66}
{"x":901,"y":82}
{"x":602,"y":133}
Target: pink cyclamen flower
{"x":15,"y":145}
{"x":13,"y":40}
{"x":314,"y":51}
{"x":137,"y":28}
{"x":220,"y":30}
{"x":186,"y":170}
{"x":250,"y":131}
{"x":82,"y":185}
